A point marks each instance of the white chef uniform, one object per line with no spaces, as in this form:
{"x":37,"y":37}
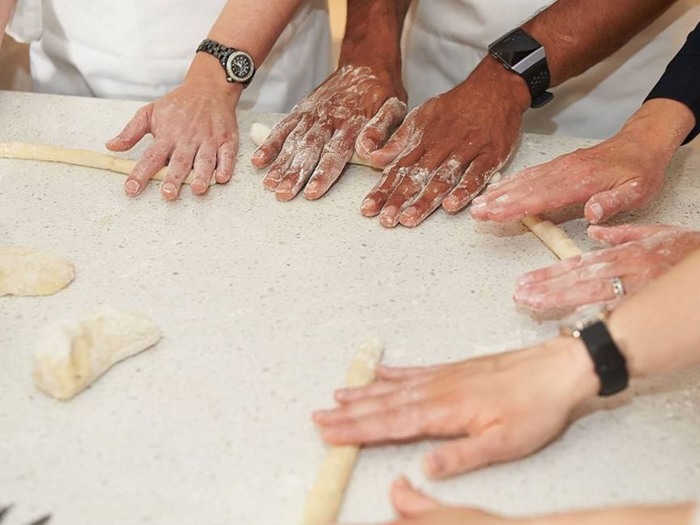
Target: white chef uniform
{"x":445,"y":39}
{"x":141,"y":49}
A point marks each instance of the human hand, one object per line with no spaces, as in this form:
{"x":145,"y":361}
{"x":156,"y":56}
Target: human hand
{"x":621,"y":174}
{"x":637,"y":254}
{"x":447,"y":149}
{"x":356,"y":104}
{"x":499,"y":408}
{"x":194,"y":125}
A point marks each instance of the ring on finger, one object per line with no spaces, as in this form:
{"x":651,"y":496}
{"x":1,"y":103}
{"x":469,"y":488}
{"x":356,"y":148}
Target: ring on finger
{"x":618,"y":287}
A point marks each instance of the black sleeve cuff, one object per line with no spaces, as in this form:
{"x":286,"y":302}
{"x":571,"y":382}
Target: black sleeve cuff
{"x":681,"y":81}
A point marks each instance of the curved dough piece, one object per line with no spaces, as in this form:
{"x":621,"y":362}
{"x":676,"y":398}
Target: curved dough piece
{"x":77,"y":157}
{"x":30,"y":272}
{"x":260,"y":132}
{"x":326,"y":497}
{"x":72,"y":353}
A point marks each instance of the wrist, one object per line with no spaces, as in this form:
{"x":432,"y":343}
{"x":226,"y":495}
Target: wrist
{"x":206,"y":74}
{"x":660,"y":126}
{"x":493,"y":78}
{"x":576,"y":367}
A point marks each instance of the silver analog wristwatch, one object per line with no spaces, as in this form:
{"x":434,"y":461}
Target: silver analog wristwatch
{"x":239,"y":65}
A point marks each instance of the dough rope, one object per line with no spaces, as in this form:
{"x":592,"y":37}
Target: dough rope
{"x":552,"y":236}
{"x":326,"y":496}
{"x":77,"y":157}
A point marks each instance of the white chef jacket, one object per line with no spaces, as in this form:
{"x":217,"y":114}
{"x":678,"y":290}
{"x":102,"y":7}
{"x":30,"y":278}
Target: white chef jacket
{"x":141,"y":49}
{"x":445,"y":39}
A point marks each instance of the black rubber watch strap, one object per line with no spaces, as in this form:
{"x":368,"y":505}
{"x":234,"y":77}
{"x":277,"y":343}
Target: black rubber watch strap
{"x":538,"y":80}
{"x":610,"y":364}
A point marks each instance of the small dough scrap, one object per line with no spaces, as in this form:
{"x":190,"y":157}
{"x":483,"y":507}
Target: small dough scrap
{"x":326,"y":497}
{"x":260,"y":132}
{"x":72,"y":353}
{"x":24,"y":272}
{"x":78,"y":157}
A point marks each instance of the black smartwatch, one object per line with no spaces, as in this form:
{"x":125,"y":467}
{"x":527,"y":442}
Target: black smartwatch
{"x":610,"y":365}
{"x":525,"y":56}
{"x":239,"y":65}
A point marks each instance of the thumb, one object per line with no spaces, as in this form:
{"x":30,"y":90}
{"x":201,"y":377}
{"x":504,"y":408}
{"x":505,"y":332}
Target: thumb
{"x":464,"y":455}
{"x":410,"y":502}
{"x":133,"y":132}
{"x":631,"y":195}
{"x":615,"y":235}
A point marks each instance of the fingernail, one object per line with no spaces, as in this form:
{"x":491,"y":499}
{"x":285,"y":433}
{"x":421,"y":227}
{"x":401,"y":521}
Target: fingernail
{"x":597,"y":211}
{"x":169,"y":188}
{"x":368,"y":204}
{"x":389,"y":212}
{"x":132,"y":187}
{"x":313,"y":186}
{"x":434,"y":464}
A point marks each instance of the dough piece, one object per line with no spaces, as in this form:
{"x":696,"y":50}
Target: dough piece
{"x":29,"y":272}
{"x":552,"y":236}
{"x":77,"y":157}
{"x":72,"y":353}
{"x":326,"y":497}
{"x":260,"y":132}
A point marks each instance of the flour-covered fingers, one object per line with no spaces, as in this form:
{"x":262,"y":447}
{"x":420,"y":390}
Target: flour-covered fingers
{"x":380,"y":127}
{"x":473,"y":181}
{"x":334,"y":157}
{"x":179,"y":168}
{"x":226,"y":160}
{"x":269,"y":150}
{"x":629,"y":195}
{"x":204,"y":165}
{"x":153,"y":159}
{"x":370,"y":405}
{"x":137,"y":128}
{"x":289,"y":151}
{"x":402,"y":140}
{"x":616,"y":235}
{"x":373,"y":203}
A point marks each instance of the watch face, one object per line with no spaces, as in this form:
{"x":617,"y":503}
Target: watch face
{"x":517,"y":47}
{"x":240,"y":66}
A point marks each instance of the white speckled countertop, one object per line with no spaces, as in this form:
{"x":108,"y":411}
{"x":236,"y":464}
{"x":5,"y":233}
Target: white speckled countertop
{"x":262,"y":305}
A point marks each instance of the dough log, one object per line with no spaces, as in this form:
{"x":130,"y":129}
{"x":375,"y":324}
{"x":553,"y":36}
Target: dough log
{"x":326,"y":497}
{"x":77,"y":157}
{"x":29,"y":272}
{"x":260,"y":132}
{"x":71,"y":354}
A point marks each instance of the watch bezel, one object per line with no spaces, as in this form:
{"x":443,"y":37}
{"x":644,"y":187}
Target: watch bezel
{"x":231,"y":76}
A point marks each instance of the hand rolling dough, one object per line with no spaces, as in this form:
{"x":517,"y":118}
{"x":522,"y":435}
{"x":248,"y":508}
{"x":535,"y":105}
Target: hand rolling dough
{"x":77,"y":157}
{"x":30,"y":272}
{"x":72,"y":353}
{"x":260,"y":132}
{"x":326,"y":497}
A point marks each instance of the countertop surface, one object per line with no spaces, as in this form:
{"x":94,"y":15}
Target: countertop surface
{"x":262,"y":305}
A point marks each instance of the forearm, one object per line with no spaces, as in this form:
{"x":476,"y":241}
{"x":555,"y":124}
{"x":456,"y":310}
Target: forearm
{"x":658,"y":330}
{"x":249,"y":25}
{"x":577,"y":34}
{"x":668,"y":515}
{"x":377,"y":43}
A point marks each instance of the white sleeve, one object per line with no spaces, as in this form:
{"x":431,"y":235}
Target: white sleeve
{"x":26,"y":24}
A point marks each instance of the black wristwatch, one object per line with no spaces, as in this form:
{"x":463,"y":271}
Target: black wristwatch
{"x":610,"y":365}
{"x":525,"y":56}
{"x":239,"y":65}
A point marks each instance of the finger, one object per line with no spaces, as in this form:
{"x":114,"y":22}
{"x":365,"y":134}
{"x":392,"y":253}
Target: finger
{"x":547,"y":297}
{"x":473,"y":181}
{"x":410,"y":186}
{"x":393,"y":399}
{"x":271,"y":148}
{"x":348,"y":395}
{"x":443,"y":180}
{"x":281,"y":164}
{"x":336,"y":154}
{"x":398,"y":143}
{"x":378,"y":130}
{"x":137,"y":128}
{"x":465,"y":455}
{"x":153,"y":159}
{"x":307,"y":156}
{"x":204,"y":164}
{"x":628,"y":196}
{"x":615,"y":235}
{"x":226,"y":161}
{"x":179,"y":168}
{"x":376,"y":198}
{"x":409,"y":502}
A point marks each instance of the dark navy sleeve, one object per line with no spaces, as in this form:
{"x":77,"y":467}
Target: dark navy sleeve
{"x":681,"y":81}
